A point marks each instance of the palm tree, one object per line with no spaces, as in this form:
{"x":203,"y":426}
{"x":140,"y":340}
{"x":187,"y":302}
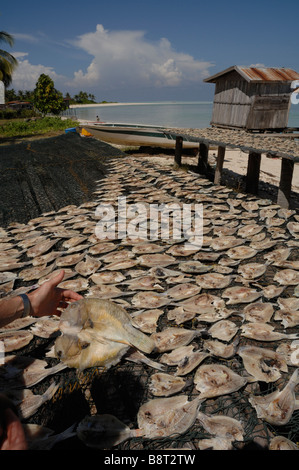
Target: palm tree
{"x":7,"y":62}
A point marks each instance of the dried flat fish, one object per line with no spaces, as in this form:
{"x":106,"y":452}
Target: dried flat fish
{"x":149,"y":300}
{"x":78,"y":285}
{"x":107,"y":277}
{"x":46,"y":327}
{"x":272,"y":291}
{"x":18,"y":324}
{"x":14,"y":340}
{"x":74,"y":241}
{"x":287,"y":277}
{"x":103,"y":247}
{"x":241,"y":252}
{"x":147,"y":321}
{"x":177,"y":356}
{"x":154,"y":260}
{"x":203,"y":303}
{"x":225,"y":243}
{"x":173,"y":337}
{"x":162,"y":272}
{"x":215,"y":315}
{"x":104,"y":431}
{"x":252,"y":270}
{"x":194,"y":267}
{"x":190,"y":362}
{"x":41,"y":247}
{"x":224,"y":330}
{"x":288,"y":318}
{"x":282,"y":443}
{"x":258,"y":312}
{"x":88,"y":266}
{"x":162,"y":417}
{"x":180,"y":315}
{"x":46,"y":258}
{"x":97,"y":332}
{"x":213,"y":380}
{"x":222,"y":426}
{"x":240,"y":294}
{"x":7,"y":276}
{"x":263,"y":364}
{"x":105,"y":291}
{"x":287,"y":264}
{"x":277,"y":407}
{"x":264,"y":332}
{"x":144,"y":283}
{"x":290,"y":352}
{"x":217,"y":348}
{"x":213,"y":281}
{"x":28,"y":403}
{"x":119,"y":265}
{"x":280,"y":254}
{"x":183,"y":291}
{"x":249,"y":230}
{"x":69,"y":260}
{"x":290,"y":303}
{"x":164,"y":385}
{"x":115,"y":256}
{"x":36,"y":272}
{"x":144,"y":248}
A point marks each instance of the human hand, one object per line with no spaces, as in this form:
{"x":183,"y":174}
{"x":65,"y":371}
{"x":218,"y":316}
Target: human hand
{"x":12,"y":435}
{"x":48,"y":297}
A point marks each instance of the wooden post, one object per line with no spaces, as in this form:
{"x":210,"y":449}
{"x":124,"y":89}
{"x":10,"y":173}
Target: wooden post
{"x":219,"y":165}
{"x":202,"y":164}
{"x":285,"y":184}
{"x":178,"y":150}
{"x":253,"y":172}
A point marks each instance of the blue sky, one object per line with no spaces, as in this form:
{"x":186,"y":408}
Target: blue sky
{"x":131,"y":50}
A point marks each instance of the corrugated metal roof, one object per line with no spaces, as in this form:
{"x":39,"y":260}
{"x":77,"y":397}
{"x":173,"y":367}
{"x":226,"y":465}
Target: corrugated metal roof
{"x":258,"y":74}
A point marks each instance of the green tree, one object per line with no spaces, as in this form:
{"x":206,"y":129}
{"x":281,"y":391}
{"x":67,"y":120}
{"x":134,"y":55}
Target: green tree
{"x":46,"y":98}
{"x":8,"y":62}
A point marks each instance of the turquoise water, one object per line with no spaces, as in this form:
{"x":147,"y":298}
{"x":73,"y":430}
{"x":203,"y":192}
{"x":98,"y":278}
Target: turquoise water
{"x":183,"y":114}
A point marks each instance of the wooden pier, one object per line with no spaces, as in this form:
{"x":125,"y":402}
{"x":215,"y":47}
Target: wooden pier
{"x":255,"y":145}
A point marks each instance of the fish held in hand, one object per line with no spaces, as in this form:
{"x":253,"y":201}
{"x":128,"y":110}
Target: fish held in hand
{"x":97,"y":333}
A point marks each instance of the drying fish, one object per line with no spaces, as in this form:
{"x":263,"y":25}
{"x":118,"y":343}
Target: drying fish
{"x":14,"y":340}
{"x":241,"y":294}
{"x":144,"y":248}
{"x":180,"y":315}
{"x":177,"y":356}
{"x":162,"y":417}
{"x":162,"y":272}
{"x":183,"y":291}
{"x":190,"y":362}
{"x":287,"y":264}
{"x":250,"y":205}
{"x":46,"y":258}
{"x":156,"y":260}
{"x":249,"y":230}
{"x":287,"y":277}
{"x":181,"y":250}
{"x":36,"y":272}
{"x":282,"y":443}
{"x":149,"y":300}
{"x":214,"y":315}
{"x":147,"y":321}
{"x":88,"y":266}
{"x":115,"y":256}
{"x":281,"y":254}
{"x":139,"y":358}
{"x":224,"y":330}
{"x":263,"y":244}
{"x":241,"y":252}
{"x":144,"y":283}
{"x":103,"y":247}
{"x":277,"y":407}
{"x":18,"y":324}
{"x":41,"y":247}
{"x":28,"y":403}
{"x":252,"y":270}
{"x":104,"y":431}
{"x":8,"y":265}
{"x":272,"y":291}
{"x":118,"y":265}
{"x":194,"y":267}
{"x":46,"y":327}
{"x":217,"y":348}
{"x":172,"y":338}
{"x":288,"y":318}
{"x":107,"y":277}
{"x":213,"y":380}
{"x":7,"y":276}
{"x":215,"y":443}
{"x":78,"y":285}
{"x":203,"y":303}
{"x":290,"y":303}
{"x":74,"y":241}
{"x":293,"y":228}
{"x":222,"y":426}
{"x":7,"y":288}
{"x":258,"y":312}
{"x":69,"y":260}
{"x":97,"y":333}
{"x":206,"y":256}
{"x":105,"y":291}
{"x":23,"y":371}
{"x":164,"y":385}
{"x":290,"y":352}
{"x":264,"y":332}
{"x":263,"y":364}
{"x":213,"y":281}
{"x":224,"y":243}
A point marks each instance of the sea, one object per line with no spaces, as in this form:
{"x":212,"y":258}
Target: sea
{"x":195,"y":114}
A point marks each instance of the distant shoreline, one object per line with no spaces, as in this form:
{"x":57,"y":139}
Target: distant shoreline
{"x":104,"y":104}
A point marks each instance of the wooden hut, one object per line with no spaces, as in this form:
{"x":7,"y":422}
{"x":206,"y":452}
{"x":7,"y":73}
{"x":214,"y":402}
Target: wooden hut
{"x":252,"y":98}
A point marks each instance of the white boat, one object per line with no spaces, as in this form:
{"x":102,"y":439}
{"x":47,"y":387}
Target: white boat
{"x":134,"y":134}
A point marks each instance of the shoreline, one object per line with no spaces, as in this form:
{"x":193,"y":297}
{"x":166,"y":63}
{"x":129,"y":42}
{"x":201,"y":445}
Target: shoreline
{"x":93,"y":105}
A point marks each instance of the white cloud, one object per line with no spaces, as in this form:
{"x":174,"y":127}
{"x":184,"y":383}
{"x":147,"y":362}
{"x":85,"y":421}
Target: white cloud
{"x":26,"y":74}
{"x":128,"y":59}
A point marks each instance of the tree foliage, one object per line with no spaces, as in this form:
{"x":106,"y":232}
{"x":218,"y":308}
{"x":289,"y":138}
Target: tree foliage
{"x":46,"y":98}
{"x":7,"y":61}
